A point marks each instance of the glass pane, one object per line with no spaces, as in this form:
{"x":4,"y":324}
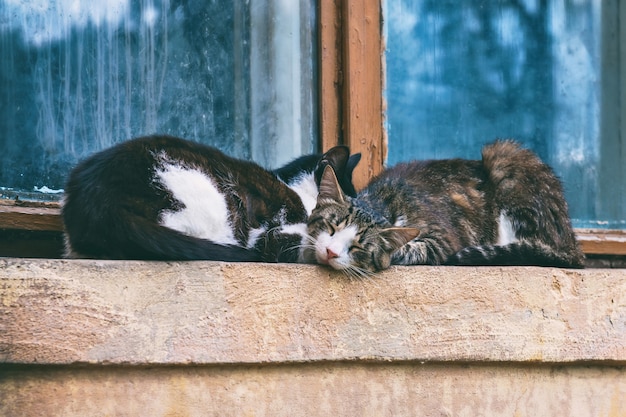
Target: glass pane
{"x":79,"y":76}
{"x":460,"y":74}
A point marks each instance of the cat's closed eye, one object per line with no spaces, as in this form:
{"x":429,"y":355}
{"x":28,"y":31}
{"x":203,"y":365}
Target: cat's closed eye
{"x":355,"y":247}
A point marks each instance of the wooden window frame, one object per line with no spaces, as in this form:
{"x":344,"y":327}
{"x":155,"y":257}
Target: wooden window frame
{"x":351,"y":112}
{"x":351,"y":82}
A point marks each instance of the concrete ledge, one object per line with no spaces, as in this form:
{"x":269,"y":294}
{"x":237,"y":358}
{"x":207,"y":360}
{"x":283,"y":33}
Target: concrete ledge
{"x":91,"y":338}
{"x":351,"y":389}
{"x":205,"y":313}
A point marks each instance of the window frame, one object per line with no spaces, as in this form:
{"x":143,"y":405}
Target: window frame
{"x":351,"y":112}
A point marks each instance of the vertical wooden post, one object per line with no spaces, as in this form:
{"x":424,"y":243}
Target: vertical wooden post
{"x":362,"y":95}
{"x":351,"y":82}
{"x":330,"y":73}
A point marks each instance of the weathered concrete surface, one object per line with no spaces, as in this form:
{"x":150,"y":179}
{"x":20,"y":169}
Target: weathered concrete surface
{"x":95,"y":338}
{"x":322,"y":389}
{"x":62,"y":312}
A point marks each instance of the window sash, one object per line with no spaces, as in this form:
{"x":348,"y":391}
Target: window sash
{"x":351,"y":111}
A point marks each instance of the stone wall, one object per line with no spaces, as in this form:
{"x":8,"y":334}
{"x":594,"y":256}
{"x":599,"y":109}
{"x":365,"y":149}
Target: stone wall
{"x":100,"y":338}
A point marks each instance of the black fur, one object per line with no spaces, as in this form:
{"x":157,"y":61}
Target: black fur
{"x":311,"y":163}
{"x":113,"y":204}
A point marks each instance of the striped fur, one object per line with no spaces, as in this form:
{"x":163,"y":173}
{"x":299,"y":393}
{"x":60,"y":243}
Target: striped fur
{"x":507,"y":209}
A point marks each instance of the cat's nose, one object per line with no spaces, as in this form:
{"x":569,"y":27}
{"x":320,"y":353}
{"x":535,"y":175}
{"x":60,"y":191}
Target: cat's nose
{"x":330,"y":254}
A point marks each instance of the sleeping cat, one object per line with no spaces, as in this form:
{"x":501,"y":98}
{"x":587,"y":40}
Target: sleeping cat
{"x":161,"y":197}
{"x":507,"y":209}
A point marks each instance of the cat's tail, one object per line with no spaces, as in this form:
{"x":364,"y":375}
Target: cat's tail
{"x":517,"y":253}
{"x":139,"y":238}
{"x":529,"y":195}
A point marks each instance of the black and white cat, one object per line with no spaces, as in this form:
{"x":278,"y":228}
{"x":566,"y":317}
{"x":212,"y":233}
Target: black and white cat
{"x":506,"y":209}
{"x":161,"y":197}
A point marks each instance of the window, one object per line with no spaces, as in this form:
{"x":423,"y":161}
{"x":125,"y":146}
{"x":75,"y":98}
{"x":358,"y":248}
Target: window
{"x":544,"y":72}
{"x":323,"y":86}
{"x":78,"y":76}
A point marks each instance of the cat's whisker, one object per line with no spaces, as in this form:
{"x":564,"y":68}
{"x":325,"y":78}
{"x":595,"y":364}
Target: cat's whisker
{"x":359,"y":274}
{"x":275,"y":229}
{"x":308,"y":240}
{"x":298,"y":247}
{"x":354,"y":275}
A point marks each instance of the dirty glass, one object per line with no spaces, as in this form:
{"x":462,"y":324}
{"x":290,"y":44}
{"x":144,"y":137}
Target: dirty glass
{"x":80,"y":76}
{"x":545,"y":72}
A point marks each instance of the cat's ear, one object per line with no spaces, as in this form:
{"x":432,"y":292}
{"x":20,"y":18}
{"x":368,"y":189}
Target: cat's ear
{"x":352,"y":163}
{"x":329,"y":186}
{"x":399,"y":236}
{"x":340,"y":159}
{"x":345,"y":180}
{"x":343,"y":164}
{"x":336,"y":157}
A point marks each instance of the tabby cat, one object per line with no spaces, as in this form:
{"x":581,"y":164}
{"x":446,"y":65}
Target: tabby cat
{"x":161,"y":197}
{"x":507,"y":209}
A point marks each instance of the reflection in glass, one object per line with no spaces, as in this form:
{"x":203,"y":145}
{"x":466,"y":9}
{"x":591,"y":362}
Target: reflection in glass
{"x":78,"y":76}
{"x":460,"y":74}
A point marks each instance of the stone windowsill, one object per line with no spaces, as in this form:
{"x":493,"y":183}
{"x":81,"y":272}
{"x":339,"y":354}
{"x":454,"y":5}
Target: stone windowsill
{"x":136,"y":313}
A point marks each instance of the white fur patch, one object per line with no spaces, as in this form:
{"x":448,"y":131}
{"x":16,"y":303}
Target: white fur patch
{"x":339,"y":243}
{"x":206,"y":213}
{"x":306,"y":189}
{"x":298,"y":229}
{"x":253,"y":236}
{"x":506,"y":233}
{"x":294,"y":229}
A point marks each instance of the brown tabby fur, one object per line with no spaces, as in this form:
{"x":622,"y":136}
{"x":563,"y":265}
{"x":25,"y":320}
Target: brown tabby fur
{"x":447,"y":212}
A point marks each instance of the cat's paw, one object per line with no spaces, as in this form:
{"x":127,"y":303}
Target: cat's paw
{"x":472,"y":255}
